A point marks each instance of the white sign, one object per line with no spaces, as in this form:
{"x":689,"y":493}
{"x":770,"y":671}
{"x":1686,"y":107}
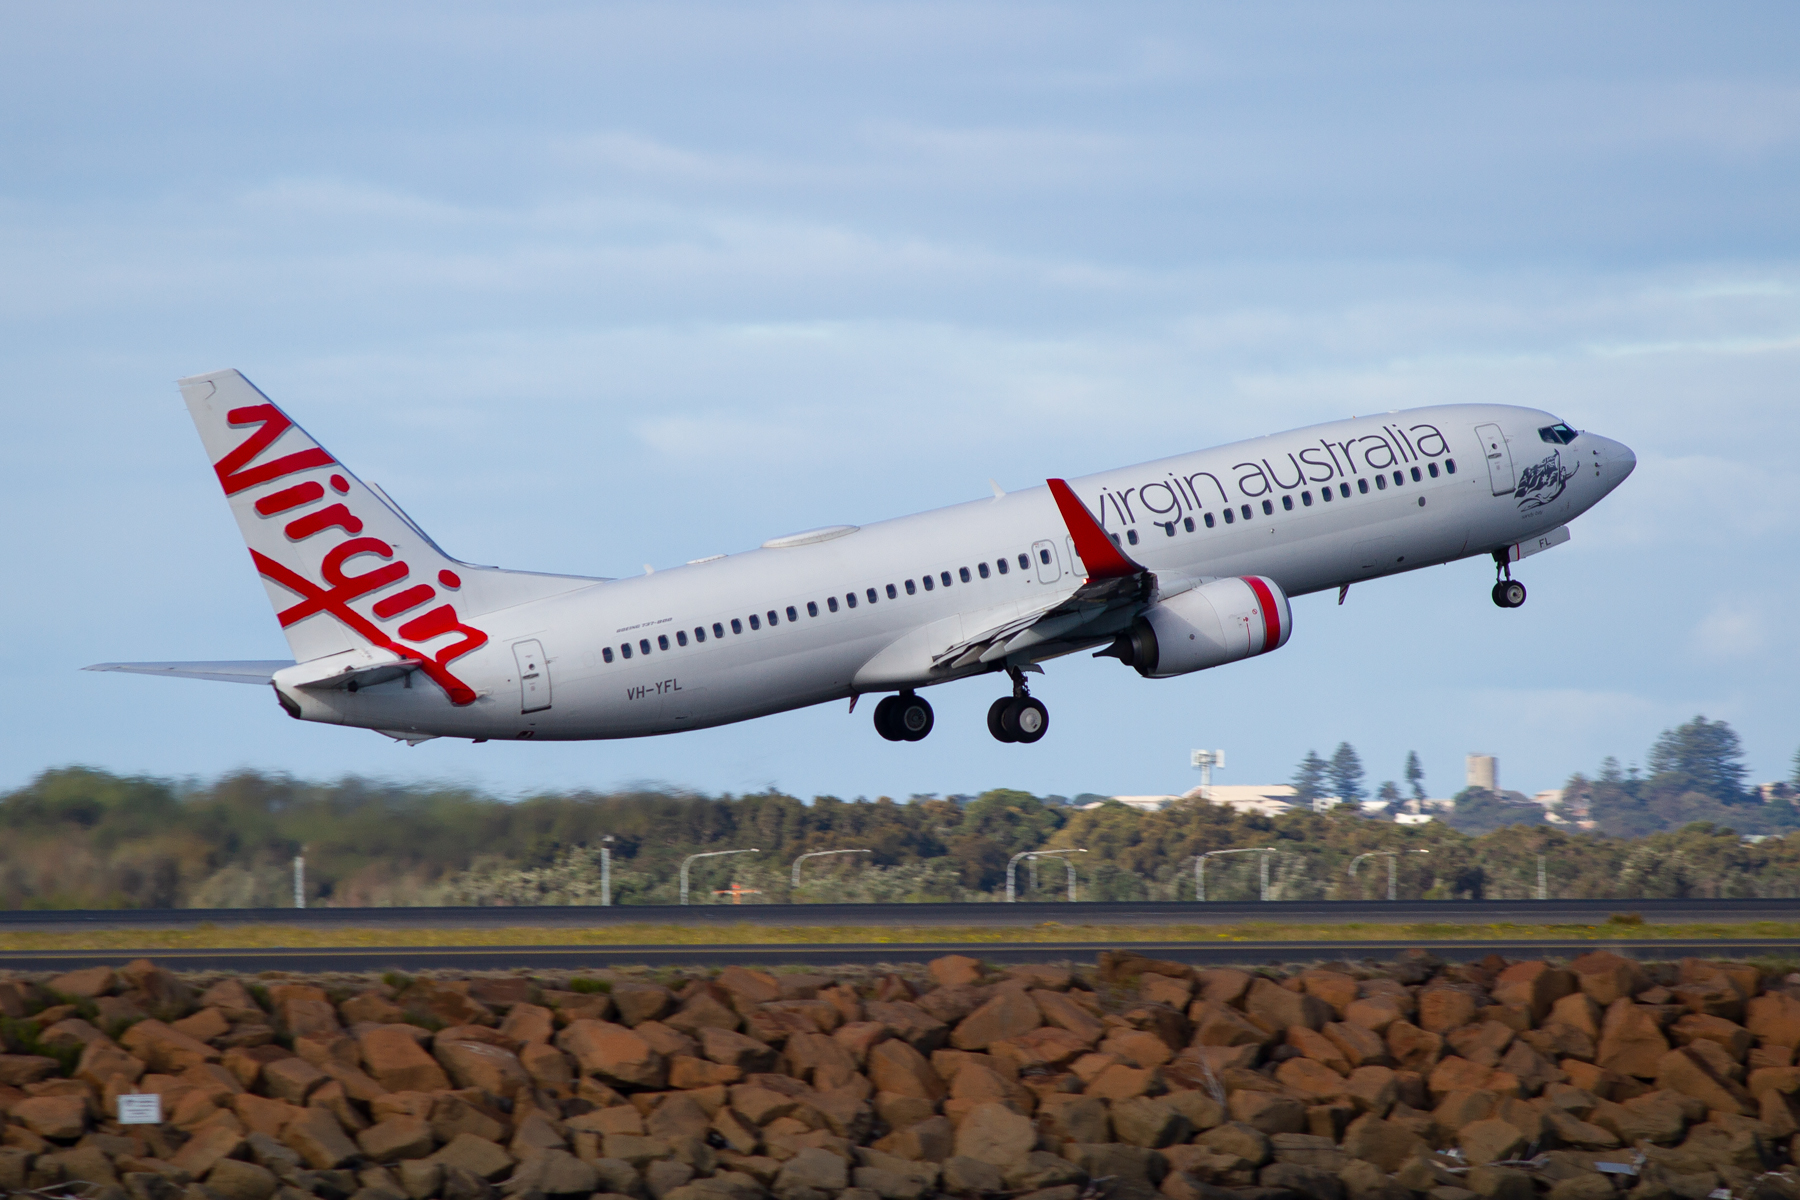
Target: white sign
{"x":144,"y":1109}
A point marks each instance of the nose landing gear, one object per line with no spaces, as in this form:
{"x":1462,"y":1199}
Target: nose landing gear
{"x":1018,"y":717}
{"x":1508,"y":592}
{"x":904,"y":718}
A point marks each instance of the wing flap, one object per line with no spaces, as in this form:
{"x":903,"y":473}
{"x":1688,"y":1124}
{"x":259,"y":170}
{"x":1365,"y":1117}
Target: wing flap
{"x":259,"y":671}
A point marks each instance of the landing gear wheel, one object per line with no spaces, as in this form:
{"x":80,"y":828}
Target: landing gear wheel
{"x":996,"y":719}
{"x":1025,"y":719}
{"x":913,"y":717}
{"x":885,"y":724}
{"x":1509,"y":593}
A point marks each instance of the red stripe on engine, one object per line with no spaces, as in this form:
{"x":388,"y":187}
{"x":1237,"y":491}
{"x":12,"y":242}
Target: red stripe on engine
{"x":1271,"y":615}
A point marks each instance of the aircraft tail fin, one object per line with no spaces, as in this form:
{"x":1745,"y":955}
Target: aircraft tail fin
{"x":343,"y":566}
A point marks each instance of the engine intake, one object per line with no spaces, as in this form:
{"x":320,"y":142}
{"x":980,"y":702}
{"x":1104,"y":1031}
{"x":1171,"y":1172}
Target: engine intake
{"x":1213,"y":624}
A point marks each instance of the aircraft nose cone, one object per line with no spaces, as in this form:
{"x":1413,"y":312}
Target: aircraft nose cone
{"x":1626,"y":460}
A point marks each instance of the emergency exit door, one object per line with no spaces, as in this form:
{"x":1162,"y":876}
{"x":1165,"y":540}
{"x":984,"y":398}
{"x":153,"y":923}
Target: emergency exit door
{"x":534,"y":676}
{"x":1499,"y":459}
{"x":1049,"y":570}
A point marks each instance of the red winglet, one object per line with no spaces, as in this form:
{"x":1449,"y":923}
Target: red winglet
{"x":1102,"y":559}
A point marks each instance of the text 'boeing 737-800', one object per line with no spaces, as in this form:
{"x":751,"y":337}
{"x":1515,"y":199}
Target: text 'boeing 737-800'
{"x":1171,"y":566}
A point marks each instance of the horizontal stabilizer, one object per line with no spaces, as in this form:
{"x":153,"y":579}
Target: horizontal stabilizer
{"x":224,"y":672}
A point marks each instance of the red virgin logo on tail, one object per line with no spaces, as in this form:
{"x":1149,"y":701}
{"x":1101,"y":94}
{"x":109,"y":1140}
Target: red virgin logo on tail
{"x":333,"y":594}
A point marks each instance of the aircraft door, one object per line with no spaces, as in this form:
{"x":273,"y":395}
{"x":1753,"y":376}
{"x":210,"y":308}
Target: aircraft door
{"x":534,"y":676}
{"x":1049,"y":568}
{"x":1499,"y":459}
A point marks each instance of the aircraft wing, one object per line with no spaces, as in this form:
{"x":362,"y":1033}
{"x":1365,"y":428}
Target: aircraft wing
{"x":224,"y":672}
{"x":1116,"y":590}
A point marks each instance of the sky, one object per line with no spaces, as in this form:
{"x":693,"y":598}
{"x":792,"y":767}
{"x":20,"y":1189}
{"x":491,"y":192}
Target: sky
{"x":588,"y":287}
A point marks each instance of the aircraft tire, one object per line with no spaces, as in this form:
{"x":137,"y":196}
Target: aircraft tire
{"x":1026,"y":719}
{"x":885,"y":724}
{"x":1509,"y":593}
{"x":913,"y":718}
{"x":996,"y":719}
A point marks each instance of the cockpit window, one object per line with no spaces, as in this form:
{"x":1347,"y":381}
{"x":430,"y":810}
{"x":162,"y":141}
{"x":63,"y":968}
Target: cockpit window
{"x":1558,"y":433}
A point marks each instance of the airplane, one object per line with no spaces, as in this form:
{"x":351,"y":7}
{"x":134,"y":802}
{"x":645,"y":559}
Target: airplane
{"x":1172,"y":566}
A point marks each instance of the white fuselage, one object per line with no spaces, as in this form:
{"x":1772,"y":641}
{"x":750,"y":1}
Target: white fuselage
{"x":1405,"y":508}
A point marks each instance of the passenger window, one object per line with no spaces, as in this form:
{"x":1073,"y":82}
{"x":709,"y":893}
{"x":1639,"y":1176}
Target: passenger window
{"x":1115,"y":539}
{"x":910,"y":590}
{"x":1187,"y":523}
{"x":773,"y":621}
{"x":792,"y":615}
{"x":1362,"y":485}
{"x":850,"y":599}
{"x":1131,"y":536}
{"x":1305,"y":499}
{"x":681,"y":637}
{"x":872,"y":594}
{"x":643,"y":645}
{"x":893,"y":592}
{"x":1399,"y":478}
{"x":1268,"y":508}
{"x":754,"y":623}
{"x":1415,"y":474}
{"x":1209,"y":518}
{"x":1325,"y":493}
{"x":1432,"y":469}
{"x":831,"y":603}
{"x":625,"y":649}
{"x":1044,"y":557}
{"x":1024,"y":562}
{"x":944,"y":578}
{"x":982,"y":569}
{"x":1381,"y":483}
{"x":1168,"y":528}
{"x":606,"y":654}
{"x":1244,"y":511}
{"x":700,"y":633}
{"x":1450,"y":466}
{"x":812,"y":608}
{"x":662,"y":641}
{"x":1001,"y":564}
{"x":719,"y":630}
{"x":962,"y":573}
{"x":1344,"y":490}
{"x":1229,"y":518}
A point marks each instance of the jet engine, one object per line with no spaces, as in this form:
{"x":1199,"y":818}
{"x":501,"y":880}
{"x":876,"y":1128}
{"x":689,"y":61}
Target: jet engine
{"x":1215,"y":623}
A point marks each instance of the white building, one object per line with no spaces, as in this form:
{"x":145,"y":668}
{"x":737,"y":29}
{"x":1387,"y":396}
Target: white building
{"x":1265,"y":800}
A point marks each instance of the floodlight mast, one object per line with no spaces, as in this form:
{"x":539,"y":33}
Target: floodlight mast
{"x":1205,"y":761}
{"x":1392,"y":857}
{"x":708,"y":854}
{"x":820,"y":854}
{"x":1200,"y":868}
{"x":1012,"y":865}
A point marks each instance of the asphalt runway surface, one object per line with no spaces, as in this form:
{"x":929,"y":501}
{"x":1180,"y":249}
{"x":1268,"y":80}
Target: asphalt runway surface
{"x":576,"y":958}
{"x":1295,"y":912}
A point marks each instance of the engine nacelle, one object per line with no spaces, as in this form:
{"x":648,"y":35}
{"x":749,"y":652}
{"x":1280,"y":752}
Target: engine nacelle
{"x":1213,"y":624}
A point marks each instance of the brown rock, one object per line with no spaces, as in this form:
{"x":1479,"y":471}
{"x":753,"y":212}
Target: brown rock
{"x":1537,"y":985}
{"x":1143,"y":1121}
{"x":1732,"y":1037}
{"x":1774,"y":1018}
{"x":372,"y":1008}
{"x":1688,"y":1072}
{"x":1375,"y":1012}
{"x":165,"y":1050}
{"x":1571,"y":1130}
{"x":84,"y":984}
{"x":708,"y":1007}
{"x":1442,"y":1009}
{"x":1312,"y":1081}
{"x":1267,"y":1112}
{"x":527,"y":1023}
{"x":57,"y":1118}
{"x":930,"y":1140}
{"x":262,"y":1115}
{"x":1160,"y":989}
{"x":1490,"y":1140}
{"x":1217,"y":1025}
{"x":895,"y":1067}
{"x":1333,"y":987}
{"x":1387,"y":1144}
{"x":909,"y":1022}
{"x":291,"y":1079}
{"x":1631,"y":1041}
{"x":1590,"y":1078}
{"x":1008,"y":1014}
{"x":102,"y":1061}
{"x":1360,"y":1046}
{"x":749,"y":985}
{"x":1459,"y":1108}
{"x":1459,"y":1074}
{"x":319,"y":1140}
{"x":396,"y":1138}
{"x":473,"y":1064}
{"x":482,"y":1159}
{"x":1223,"y":985}
{"x":1138,"y":1047}
{"x":993,"y":1133}
{"x":615,"y":1054}
{"x":640,"y":1002}
{"x":1531,"y":1069}
{"x":203,"y":1151}
{"x":1373,"y":1089}
{"x":1579,"y":1011}
{"x":392,"y":1057}
{"x":1120,"y":1082}
{"x":1045,"y":1046}
{"x":1273,"y":1007}
{"x":953,"y":970}
{"x":745,"y":1053}
{"x":1319,"y":1048}
{"x":18,"y":1070}
{"x":236,"y":1180}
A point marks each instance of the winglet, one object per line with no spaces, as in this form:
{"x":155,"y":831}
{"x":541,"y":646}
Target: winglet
{"x":1102,"y":559}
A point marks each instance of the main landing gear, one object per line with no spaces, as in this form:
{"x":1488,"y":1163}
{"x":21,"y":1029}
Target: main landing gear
{"x":903,"y":718}
{"x":1018,"y":717}
{"x":1508,"y":592}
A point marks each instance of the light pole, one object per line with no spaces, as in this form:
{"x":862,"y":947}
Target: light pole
{"x":1200,"y":868}
{"x":1392,"y":857}
{"x":606,"y":870}
{"x":1031,"y":858}
{"x":300,"y":878}
{"x":709,"y":854}
{"x":819,"y":854}
{"x":1205,"y":761}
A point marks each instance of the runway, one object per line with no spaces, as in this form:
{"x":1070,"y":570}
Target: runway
{"x":577,"y":958}
{"x":1287,"y":912}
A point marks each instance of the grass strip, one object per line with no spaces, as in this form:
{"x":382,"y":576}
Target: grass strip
{"x":208,"y":936}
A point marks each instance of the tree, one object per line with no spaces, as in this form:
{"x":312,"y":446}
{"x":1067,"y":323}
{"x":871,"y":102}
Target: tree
{"x":1346,"y":772}
{"x":1795,"y":777}
{"x":1415,"y":775}
{"x":1701,"y":756}
{"x":1310,"y":777}
{"x":1389,"y":795}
